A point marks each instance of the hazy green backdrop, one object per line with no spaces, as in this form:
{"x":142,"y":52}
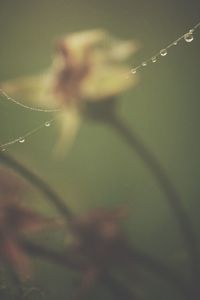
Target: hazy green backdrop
{"x":101,"y":170}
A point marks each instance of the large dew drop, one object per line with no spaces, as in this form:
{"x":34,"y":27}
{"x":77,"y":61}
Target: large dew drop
{"x":163,"y":52}
{"x":47,"y":124}
{"x":144,"y":64}
{"x":133,"y":71}
{"x":154,"y":59}
{"x":21,"y":140}
{"x":188,"y":37}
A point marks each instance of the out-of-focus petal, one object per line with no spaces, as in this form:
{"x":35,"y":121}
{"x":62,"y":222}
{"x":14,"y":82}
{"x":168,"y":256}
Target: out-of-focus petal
{"x":123,"y":50}
{"x":106,"y":82}
{"x":32,"y":90}
{"x":69,"y":122}
{"x":87,"y":66}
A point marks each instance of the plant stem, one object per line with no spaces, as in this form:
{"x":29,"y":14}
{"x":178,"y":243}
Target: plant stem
{"x":172,"y":196}
{"x":136,"y":257}
{"x":63,"y":259}
{"x":36,"y":181}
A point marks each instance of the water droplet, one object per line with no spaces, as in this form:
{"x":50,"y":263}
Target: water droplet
{"x":21,"y":140}
{"x":133,"y":71}
{"x":144,"y":63}
{"x":191,"y":30}
{"x":47,"y":124}
{"x":175,"y":43}
{"x":188,"y":37}
{"x":154,"y":59}
{"x":163,"y":52}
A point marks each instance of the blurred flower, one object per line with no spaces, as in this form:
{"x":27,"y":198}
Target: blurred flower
{"x":15,"y":221}
{"x":88,"y":67}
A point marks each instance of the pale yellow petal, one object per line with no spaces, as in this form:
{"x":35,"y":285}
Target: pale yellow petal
{"x":69,"y":122}
{"x":106,"y":82}
{"x":35,"y":91}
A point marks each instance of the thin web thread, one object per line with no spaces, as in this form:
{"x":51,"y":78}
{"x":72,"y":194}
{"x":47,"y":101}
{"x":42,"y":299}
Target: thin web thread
{"x":21,"y":139}
{"x":26,"y":106}
{"x":188,"y":37}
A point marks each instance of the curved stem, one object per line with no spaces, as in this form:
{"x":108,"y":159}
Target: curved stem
{"x":65,"y":260}
{"x":36,"y":181}
{"x":172,"y":196}
{"x":40,"y":251}
{"x":136,"y":256}
{"x":50,"y":255}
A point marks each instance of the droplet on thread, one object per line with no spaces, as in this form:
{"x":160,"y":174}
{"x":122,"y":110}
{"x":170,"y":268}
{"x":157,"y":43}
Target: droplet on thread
{"x":188,"y":37}
{"x":163,"y":52}
{"x":47,"y":124}
{"x":144,"y":63}
{"x":133,"y":71}
{"x":154,"y":59}
{"x":175,"y":43}
{"x":21,"y":140}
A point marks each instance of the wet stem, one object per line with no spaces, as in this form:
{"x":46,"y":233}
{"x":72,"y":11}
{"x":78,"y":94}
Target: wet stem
{"x":142,"y":259}
{"x":41,"y":251}
{"x":173,"y":198}
{"x":42,"y":186}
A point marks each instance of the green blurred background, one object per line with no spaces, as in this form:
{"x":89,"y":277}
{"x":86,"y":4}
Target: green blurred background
{"x":100,"y":169}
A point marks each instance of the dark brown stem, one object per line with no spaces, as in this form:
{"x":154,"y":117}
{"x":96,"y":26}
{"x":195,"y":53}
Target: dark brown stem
{"x":137,"y":257}
{"x":162,"y":178}
{"x":117,"y":288}
{"x":36,"y":181}
{"x":63,"y":259}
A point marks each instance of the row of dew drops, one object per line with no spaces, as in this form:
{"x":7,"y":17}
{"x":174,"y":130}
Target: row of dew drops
{"x":187,"y":37}
{"x":23,"y":138}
